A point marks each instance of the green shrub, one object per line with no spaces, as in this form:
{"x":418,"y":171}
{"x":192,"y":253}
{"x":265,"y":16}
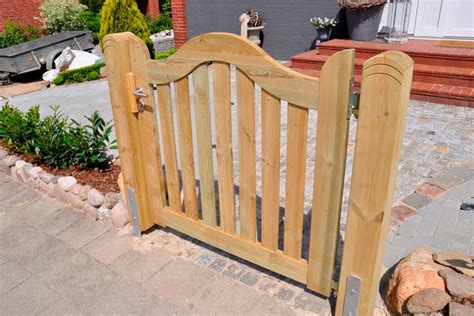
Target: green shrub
{"x":13,"y":33}
{"x":122,"y":16}
{"x":93,"y":5}
{"x":90,"y":21}
{"x":61,"y":15}
{"x":165,"y":54}
{"x":57,"y":140}
{"x":17,"y":129}
{"x":162,"y":22}
{"x":92,"y":75}
{"x":78,"y":75}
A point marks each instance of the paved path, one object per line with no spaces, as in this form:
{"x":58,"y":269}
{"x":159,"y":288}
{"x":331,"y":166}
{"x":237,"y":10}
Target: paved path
{"x":56,"y":260}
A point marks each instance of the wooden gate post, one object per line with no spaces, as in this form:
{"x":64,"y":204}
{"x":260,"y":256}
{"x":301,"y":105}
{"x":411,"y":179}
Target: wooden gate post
{"x":137,"y":137}
{"x":385,"y":90}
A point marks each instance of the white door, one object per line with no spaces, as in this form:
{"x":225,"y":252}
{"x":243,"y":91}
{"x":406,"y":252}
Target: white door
{"x":445,"y":18}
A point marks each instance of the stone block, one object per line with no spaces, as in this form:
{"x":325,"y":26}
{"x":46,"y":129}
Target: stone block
{"x":108,"y":246}
{"x":417,"y":200}
{"x":446,"y":181}
{"x":430,"y":190}
{"x":83,"y":231}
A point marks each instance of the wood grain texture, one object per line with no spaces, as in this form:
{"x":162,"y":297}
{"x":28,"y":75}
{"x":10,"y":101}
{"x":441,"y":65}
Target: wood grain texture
{"x":225,"y":164}
{"x":271,"y":118}
{"x":186,"y":153}
{"x":169,"y":146}
{"x":272,"y":76}
{"x":204,"y":142}
{"x":295,"y":180}
{"x":247,"y":156}
{"x":380,"y":128}
{"x":146,"y":177}
{"x":330,"y":165}
{"x":251,"y":251}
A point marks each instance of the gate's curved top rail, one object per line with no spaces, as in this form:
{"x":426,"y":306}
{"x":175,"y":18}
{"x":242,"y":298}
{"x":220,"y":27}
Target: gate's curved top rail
{"x":272,"y":76}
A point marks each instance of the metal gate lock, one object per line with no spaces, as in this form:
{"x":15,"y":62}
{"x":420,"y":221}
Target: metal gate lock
{"x":139,"y":93}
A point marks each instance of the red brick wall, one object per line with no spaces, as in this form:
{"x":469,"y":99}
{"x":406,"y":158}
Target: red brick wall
{"x":23,"y":11}
{"x":153,"y":8}
{"x":178,"y":11}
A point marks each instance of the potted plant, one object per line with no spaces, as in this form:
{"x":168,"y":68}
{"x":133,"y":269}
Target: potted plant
{"x":363,"y":18}
{"x":323,"y":28}
{"x":251,"y":26}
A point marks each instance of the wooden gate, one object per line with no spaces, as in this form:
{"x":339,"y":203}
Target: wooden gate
{"x":164,"y":110}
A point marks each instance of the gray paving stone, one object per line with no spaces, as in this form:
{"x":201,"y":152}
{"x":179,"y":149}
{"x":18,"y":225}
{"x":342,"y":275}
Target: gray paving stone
{"x":108,"y":246}
{"x":284,"y":294}
{"x":461,"y":247}
{"x":59,"y":220}
{"x":462,"y":173}
{"x":417,"y":200}
{"x":234,"y":271}
{"x":62,"y":306}
{"x":451,"y":235}
{"x":83,"y":231}
{"x":218,"y":265}
{"x":312,"y":303}
{"x":427,"y":226}
{"x":48,"y":256}
{"x":223,"y":296}
{"x":408,"y":229}
{"x":180,"y":281}
{"x":446,"y":181}
{"x":139,"y":267}
{"x":9,"y":189}
{"x":26,"y":196}
{"x":11,"y":275}
{"x":29,"y":297}
{"x":249,"y":279}
{"x":266,"y":305}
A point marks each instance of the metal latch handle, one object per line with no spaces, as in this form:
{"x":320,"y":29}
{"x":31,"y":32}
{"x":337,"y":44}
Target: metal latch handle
{"x":135,"y":94}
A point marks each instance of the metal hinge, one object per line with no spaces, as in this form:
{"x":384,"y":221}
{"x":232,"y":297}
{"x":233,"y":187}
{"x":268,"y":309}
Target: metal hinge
{"x":132,"y":201}
{"x":354,"y":98}
{"x":351,"y":299}
{"x":334,"y":287}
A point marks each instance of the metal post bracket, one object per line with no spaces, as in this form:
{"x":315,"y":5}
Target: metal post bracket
{"x":134,"y":212}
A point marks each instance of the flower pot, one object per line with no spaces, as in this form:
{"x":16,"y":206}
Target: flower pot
{"x":253,"y":34}
{"x":363,"y":25}
{"x":323,"y":34}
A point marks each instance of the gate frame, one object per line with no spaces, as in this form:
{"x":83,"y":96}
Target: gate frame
{"x":386,"y":82}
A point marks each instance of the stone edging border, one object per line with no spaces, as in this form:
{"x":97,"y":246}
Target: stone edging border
{"x":428,"y":192}
{"x":98,"y":205}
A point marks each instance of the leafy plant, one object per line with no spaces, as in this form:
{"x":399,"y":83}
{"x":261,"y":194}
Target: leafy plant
{"x":93,"y":5}
{"x":161,"y":23}
{"x":92,"y":75}
{"x":13,"y":34}
{"x":61,"y":15}
{"x":17,"y":129}
{"x":79,"y":74}
{"x":90,"y":20}
{"x":165,"y":54}
{"x":56,"y":140}
{"x":122,"y":16}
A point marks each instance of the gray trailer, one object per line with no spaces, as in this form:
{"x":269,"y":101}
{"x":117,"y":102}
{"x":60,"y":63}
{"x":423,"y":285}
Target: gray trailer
{"x":33,"y":55}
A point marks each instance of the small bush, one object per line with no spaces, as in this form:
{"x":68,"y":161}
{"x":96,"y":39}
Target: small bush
{"x":78,"y":75}
{"x":13,"y":34}
{"x":93,"y":5}
{"x":165,"y":54}
{"x":61,"y":15}
{"x":90,"y":21}
{"x":92,"y":75}
{"x":57,"y":140}
{"x":163,"y":22}
{"x":122,"y":16}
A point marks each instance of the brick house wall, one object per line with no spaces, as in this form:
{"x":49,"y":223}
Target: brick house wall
{"x":287,"y":28}
{"x":178,"y":11}
{"x":23,"y":11}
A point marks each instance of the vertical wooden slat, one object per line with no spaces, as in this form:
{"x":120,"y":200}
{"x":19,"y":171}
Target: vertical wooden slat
{"x":330,"y":164}
{"x":204,"y":142}
{"x":169,"y":146}
{"x":128,"y":54}
{"x":386,"y":82}
{"x":185,"y":140}
{"x":295,"y":179}
{"x":247,"y":156}
{"x":222,"y":108}
{"x":271,"y":117}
